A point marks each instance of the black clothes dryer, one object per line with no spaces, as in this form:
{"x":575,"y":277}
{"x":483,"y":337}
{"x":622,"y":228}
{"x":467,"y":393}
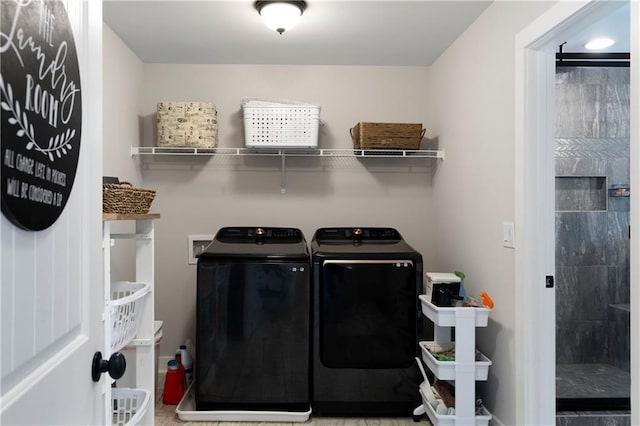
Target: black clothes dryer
{"x":366,"y":322}
{"x":252,"y":325}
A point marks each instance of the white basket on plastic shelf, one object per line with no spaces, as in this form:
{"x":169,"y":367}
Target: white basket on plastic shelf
{"x":126,"y":306}
{"x":128,"y":405}
{"x":280,"y":124}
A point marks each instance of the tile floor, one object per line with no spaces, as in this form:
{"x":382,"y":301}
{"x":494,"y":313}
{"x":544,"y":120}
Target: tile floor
{"x":572,"y":381}
{"x":585,"y":381}
{"x":591,"y":381}
{"x":591,"y":418}
{"x":165,"y":415}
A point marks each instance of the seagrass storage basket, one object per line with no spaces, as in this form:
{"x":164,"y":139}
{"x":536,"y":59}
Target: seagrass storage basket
{"x":187,"y":124}
{"x":387,"y":135}
{"x":124,"y":198}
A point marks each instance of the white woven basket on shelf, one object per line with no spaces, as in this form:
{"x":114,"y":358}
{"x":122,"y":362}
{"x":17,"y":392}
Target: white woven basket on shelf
{"x":280,"y":125}
{"x":128,"y":405}
{"x":126,"y":306}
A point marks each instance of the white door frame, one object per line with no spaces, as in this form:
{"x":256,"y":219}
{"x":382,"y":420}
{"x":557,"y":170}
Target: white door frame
{"x":534,"y":204}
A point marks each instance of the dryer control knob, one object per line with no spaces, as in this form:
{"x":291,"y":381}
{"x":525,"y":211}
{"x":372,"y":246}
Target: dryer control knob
{"x":357,"y":232}
{"x":259,"y":231}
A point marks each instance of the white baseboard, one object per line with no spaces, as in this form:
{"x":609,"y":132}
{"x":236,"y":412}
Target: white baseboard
{"x":496,"y":421}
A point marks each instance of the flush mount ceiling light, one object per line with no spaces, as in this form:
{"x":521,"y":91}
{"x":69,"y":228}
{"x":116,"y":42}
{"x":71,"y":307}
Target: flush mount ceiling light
{"x":599,"y":43}
{"x":280,"y":15}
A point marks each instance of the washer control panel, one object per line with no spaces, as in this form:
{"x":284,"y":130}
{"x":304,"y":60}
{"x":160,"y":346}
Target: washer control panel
{"x":264,"y":235}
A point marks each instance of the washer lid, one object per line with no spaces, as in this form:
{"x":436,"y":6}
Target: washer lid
{"x":257,"y":242}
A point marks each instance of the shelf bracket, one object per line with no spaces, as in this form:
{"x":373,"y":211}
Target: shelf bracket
{"x":283,"y":173}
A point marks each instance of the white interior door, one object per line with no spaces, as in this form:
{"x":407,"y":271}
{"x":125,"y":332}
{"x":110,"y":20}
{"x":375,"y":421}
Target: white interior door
{"x":51,"y":289}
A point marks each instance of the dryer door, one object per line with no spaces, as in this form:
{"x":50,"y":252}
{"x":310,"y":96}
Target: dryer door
{"x":367,"y":313}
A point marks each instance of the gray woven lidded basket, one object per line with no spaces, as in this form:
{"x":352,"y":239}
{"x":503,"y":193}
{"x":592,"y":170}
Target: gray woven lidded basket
{"x":124,"y":198}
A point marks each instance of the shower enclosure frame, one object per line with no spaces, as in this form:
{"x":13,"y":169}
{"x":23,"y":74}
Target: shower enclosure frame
{"x":535,"y":48}
{"x":597,"y":201}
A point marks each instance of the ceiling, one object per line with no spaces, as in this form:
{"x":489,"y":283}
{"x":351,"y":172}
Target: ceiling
{"x":329,"y":32}
{"x":347,"y":32}
{"x":616,"y":26}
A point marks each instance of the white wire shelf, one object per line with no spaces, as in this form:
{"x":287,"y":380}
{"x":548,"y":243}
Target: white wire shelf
{"x":290,"y":152}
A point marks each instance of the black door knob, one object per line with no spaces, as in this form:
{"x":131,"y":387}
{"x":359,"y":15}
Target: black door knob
{"x":115,"y":366}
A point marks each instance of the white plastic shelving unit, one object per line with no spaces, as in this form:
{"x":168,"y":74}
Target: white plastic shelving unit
{"x":288,"y":152}
{"x":144,"y":340}
{"x":465,"y":370}
{"x":283,"y":153}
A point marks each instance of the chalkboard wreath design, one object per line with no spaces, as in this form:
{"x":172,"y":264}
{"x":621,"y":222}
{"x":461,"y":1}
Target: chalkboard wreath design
{"x":40,"y":111}
{"x":59,"y":143}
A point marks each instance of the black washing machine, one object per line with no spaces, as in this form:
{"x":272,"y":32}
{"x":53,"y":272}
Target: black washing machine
{"x":252,"y":325}
{"x":366,"y":322}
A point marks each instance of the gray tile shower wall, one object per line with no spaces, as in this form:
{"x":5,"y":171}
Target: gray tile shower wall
{"x":619,"y":341}
{"x":579,"y":336}
{"x":592,"y":103}
{"x":581,"y":238}
{"x":592,"y":246}
{"x":581,"y":193}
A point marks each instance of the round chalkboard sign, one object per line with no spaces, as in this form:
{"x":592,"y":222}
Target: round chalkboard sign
{"x":41,"y":113}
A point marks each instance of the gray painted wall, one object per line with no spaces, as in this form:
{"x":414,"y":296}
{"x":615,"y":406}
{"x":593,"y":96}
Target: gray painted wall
{"x":474,"y":191}
{"x":200,"y":195}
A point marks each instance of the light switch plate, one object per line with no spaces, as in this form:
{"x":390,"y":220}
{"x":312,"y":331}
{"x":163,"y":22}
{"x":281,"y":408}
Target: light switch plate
{"x":508,"y":235}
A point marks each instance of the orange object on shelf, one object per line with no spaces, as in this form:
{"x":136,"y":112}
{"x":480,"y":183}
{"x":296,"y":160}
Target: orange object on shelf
{"x":486,"y":300}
